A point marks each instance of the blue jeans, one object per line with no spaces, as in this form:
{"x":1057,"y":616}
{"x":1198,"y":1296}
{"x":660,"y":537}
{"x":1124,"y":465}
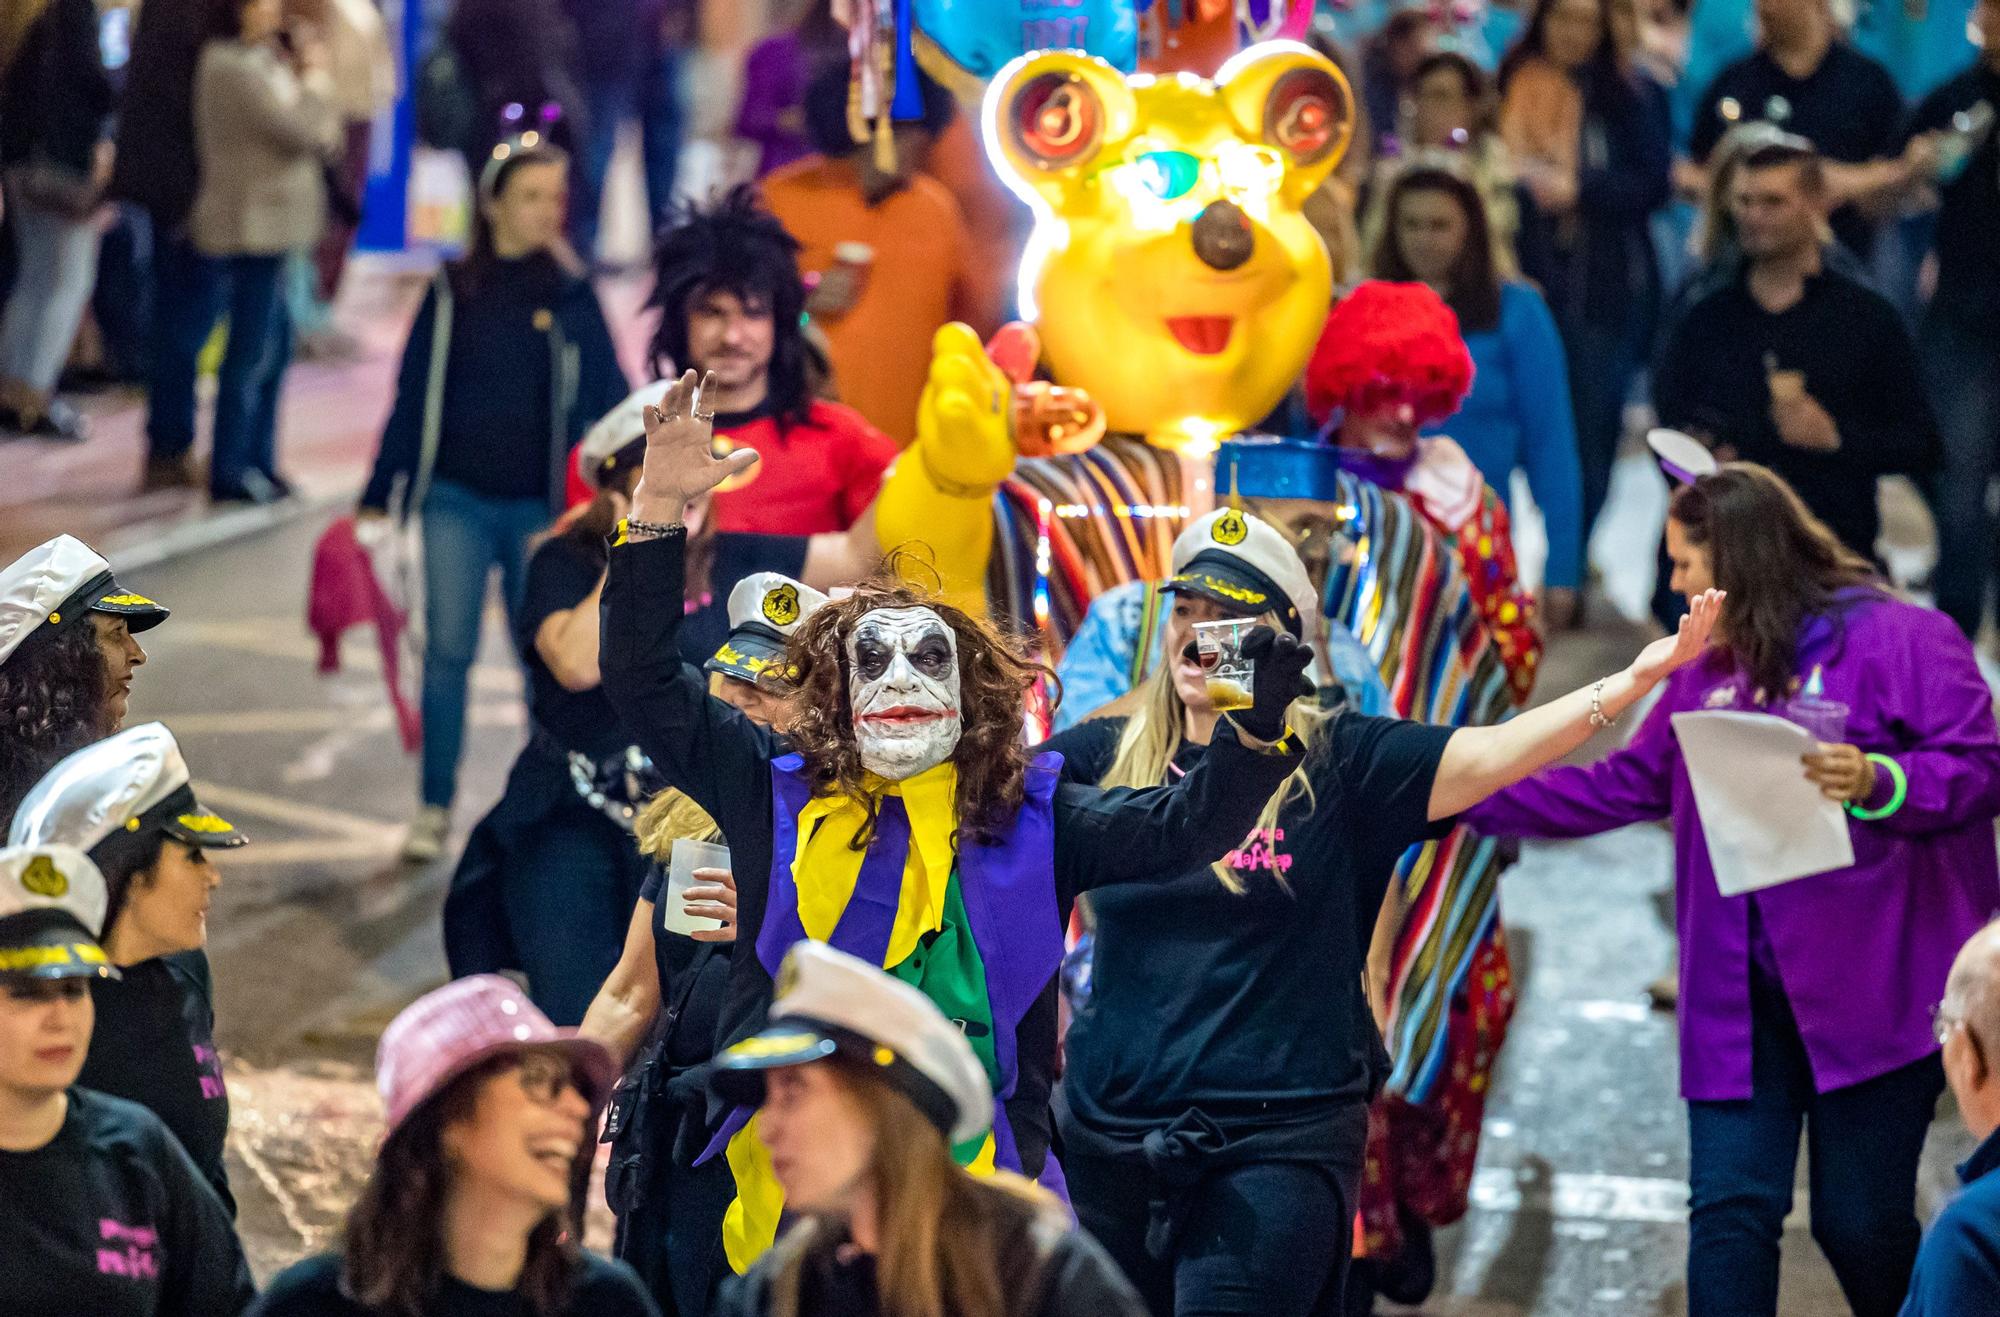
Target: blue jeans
{"x":1862,"y":1145}
{"x":1962,"y":370}
{"x":653,"y":94}
{"x":569,"y":891}
{"x":55,"y":268}
{"x":188,"y":293}
{"x":466,"y":535}
{"x":254,"y":359}
{"x":1603,"y":360}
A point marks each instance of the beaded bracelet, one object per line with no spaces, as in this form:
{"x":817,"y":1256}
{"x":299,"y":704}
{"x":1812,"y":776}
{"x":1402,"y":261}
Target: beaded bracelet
{"x":1896,"y":797}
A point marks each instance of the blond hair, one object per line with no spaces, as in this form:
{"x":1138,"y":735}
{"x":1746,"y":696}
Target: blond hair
{"x":670,"y":817}
{"x":1152,"y":737}
{"x":942,"y":1230}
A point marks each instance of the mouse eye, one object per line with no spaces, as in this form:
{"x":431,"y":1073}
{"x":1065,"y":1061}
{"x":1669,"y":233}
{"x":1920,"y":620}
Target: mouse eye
{"x":1168,"y":174}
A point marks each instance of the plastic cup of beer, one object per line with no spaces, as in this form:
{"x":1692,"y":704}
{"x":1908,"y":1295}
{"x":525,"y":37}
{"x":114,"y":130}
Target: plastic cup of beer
{"x":1219,"y":650}
{"x":688,"y":856}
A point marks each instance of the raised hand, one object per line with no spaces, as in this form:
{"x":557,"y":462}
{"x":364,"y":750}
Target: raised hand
{"x":1281,"y":661}
{"x":681,"y":465}
{"x":1669,"y":654}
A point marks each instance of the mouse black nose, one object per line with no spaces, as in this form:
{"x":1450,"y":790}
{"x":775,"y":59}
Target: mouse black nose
{"x":1223,"y":237}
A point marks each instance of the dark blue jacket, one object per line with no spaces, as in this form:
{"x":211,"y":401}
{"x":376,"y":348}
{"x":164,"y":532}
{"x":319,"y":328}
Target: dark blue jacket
{"x":1596,"y":266}
{"x":1958,"y":1268}
{"x":576,"y":360}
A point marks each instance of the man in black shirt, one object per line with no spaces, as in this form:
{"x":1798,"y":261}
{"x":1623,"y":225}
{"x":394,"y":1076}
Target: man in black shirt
{"x":1789,"y":363}
{"x":1953,"y":132}
{"x":1803,"y":78}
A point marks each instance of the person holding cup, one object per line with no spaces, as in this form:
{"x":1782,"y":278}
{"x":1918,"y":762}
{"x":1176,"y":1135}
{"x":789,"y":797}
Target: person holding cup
{"x":651,"y":1185}
{"x":1774,"y":1032}
{"x":1215,"y":1103}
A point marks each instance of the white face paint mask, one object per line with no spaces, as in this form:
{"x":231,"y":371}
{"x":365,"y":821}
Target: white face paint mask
{"x":902,"y":682}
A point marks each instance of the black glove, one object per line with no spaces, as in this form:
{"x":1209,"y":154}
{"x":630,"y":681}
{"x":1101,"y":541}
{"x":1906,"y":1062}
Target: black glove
{"x":1281,"y":661}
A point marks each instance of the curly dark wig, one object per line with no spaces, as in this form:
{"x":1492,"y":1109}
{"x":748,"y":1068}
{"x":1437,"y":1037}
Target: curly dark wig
{"x":994,"y":673}
{"x":734,"y":246}
{"x":53,"y":699}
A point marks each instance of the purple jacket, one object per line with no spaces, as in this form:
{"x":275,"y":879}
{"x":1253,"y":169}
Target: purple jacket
{"x":1862,"y":952}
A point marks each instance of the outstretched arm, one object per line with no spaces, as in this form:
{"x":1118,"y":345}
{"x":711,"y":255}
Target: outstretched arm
{"x":1479,"y":761}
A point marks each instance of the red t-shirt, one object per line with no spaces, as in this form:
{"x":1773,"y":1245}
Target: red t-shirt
{"x":815,"y":477}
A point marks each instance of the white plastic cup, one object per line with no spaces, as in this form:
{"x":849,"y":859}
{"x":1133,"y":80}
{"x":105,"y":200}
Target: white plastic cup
{"x":686,"y":858}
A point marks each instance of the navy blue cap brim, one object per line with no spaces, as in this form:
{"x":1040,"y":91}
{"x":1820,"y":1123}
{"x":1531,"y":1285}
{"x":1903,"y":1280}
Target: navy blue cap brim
{"x":752,"y":653}
{"x":51,"y":943}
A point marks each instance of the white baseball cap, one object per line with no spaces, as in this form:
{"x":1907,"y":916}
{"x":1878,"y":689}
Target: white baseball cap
{"x":129,"y":785}
{"x":765,"y":609}
{"x":58,"y":584}
{"x":830,"y":1002}
{"x":52,"y":901}
{"x":1247,"y":565}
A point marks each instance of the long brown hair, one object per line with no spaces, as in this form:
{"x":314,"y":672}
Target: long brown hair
{"x":1473,"y":287}
{"x":1780,"y":564}
{"x":54,"y":700}
{"x":942,"y":1232}
{"x":994,"y":675}
{"x":394,"y":1249}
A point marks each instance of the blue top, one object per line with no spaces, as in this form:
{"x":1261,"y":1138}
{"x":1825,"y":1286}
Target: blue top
{"x":1518,"y":415}
{"x":1958,"y":1267}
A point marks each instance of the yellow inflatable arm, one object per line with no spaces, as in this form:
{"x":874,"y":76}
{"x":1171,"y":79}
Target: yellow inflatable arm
{"x":936,"y":504}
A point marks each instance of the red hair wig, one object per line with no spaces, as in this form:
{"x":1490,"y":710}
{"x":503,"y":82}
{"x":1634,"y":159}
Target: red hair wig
{"x":1387,"y":344}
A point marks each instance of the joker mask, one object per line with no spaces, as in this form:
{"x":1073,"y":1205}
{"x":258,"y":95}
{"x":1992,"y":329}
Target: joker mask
{"x":902,"y":682}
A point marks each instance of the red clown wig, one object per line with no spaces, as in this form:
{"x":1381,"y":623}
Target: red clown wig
{"x":1385,"y":345}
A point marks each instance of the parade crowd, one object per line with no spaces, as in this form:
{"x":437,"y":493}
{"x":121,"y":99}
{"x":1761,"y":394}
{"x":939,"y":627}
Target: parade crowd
{"x":915,"y":954}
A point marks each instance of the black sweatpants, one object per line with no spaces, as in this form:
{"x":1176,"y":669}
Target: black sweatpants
{"x":1267,"y":1238}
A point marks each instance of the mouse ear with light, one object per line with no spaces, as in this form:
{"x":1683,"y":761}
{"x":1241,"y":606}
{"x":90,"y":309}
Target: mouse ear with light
{"x":1292,"y":99}
{"x":1051,"y":113}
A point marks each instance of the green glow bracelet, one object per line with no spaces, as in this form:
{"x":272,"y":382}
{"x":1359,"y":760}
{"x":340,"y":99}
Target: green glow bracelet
{"x":1896,"y":798}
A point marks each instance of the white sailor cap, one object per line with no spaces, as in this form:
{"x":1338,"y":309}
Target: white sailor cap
{"x":617,"y":443}
{"x":52,"y":901}
{"x":56,"y":585}
{"x":828,"y":1002}
{"x":1247,"y":565}
{"x":109,"y":798}
{"x":765,"y":609}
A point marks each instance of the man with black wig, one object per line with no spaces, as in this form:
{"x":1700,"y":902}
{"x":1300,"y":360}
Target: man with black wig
{"x":730,"y":300}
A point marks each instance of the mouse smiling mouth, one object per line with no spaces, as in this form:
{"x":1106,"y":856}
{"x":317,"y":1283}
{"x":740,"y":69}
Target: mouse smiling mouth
{"x":1204,"y":336}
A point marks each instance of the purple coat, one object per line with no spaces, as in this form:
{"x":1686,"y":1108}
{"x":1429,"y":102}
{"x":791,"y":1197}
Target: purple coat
{"x":1862,"y":952}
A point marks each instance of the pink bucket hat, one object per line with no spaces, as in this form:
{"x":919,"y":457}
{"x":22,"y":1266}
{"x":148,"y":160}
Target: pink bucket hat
{"x":445,"y":1033}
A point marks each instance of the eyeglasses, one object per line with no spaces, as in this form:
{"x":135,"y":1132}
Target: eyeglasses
{"x":1942,"y":1024}
{"x":1944,"y":1021}
{"x":544,"y":1077}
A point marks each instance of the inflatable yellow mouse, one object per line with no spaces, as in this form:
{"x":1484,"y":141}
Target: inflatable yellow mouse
{"x":1171,"y":272}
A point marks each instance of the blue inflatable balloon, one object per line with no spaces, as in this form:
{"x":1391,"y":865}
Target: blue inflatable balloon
{"x":978,"y":37}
